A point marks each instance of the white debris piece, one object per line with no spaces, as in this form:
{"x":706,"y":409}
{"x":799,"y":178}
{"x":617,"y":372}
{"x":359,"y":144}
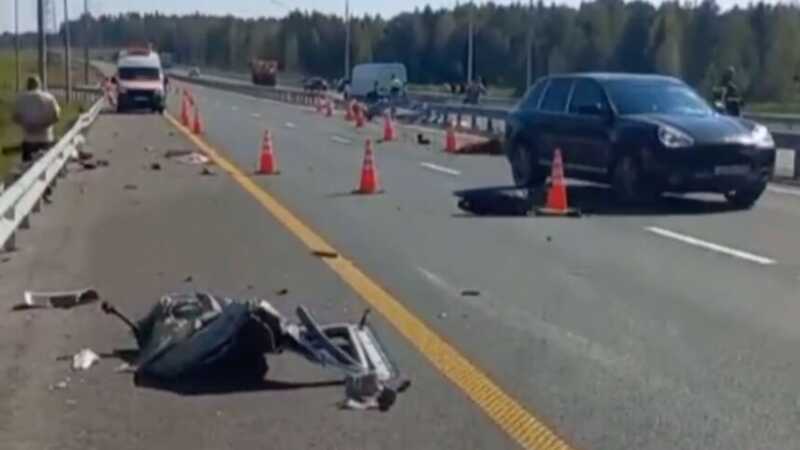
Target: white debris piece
{"x":84,"y":359}
{"x":193,"y":158}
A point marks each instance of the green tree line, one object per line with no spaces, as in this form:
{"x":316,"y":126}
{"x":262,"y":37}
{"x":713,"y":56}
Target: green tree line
{"x":695,"y":42}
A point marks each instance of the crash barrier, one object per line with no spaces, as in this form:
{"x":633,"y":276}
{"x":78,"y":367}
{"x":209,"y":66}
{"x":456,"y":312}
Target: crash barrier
{"x":490,"y":120}
{"x":86,"y":95}
{"x":25,"y":194}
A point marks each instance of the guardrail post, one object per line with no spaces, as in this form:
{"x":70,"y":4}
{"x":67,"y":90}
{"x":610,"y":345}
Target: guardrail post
{"x":489,"y":125}
{"x":474,"y":122}
{"x":11,"y":243}
{"x":458,"y":120}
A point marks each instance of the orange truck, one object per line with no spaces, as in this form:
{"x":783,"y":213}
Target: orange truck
{"x":264,"y":72}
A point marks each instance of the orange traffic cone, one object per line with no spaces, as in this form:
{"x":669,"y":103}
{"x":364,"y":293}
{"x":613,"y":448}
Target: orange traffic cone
{"x":360,"y":120}
{"x":557,"y":194}
{"x":389,"y":133}
{"x":185,"y":111}
{"x":450,"y":145}
{"x":197,"y":125}
{"x":369,"y":173}
{"x":348,"y":111}
{"x":267,"y":164}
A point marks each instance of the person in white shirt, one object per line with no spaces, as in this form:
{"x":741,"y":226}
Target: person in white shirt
{"x":35,"y":111}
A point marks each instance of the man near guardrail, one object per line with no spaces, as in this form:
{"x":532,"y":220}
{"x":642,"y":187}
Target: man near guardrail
{"x":35,"y":111}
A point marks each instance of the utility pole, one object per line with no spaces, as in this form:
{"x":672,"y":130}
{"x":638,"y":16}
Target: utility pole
{"x":86,"y":42}
{"x":529,"y":47}
{"x":17,"y":63}
{"x":67,"y":54}
{"x":347,"y":39}
{"x":42,"y":44}
{"x":470,"y":44}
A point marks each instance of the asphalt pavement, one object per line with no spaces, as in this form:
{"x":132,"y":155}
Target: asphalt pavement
{"x":136,"y":233}
{"x":669,"y":326}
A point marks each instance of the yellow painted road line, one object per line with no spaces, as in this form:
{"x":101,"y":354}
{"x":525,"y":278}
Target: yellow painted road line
{"x":506,"y":412}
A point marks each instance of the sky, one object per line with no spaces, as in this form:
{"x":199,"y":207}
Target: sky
{"x":242,"y":8}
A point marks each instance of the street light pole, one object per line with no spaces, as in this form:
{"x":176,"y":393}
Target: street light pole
{"x":347,"y":40}
{"x":470,"y":45}
{"x":42,"y":44}
{"x":529,"y":47}
{"x":67,"y":54}
{"x":86,"y":42}
{"x":17,"y":63}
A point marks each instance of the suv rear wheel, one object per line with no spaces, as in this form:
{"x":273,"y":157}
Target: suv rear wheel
{"x":629,"y":184}
{"x":526,"y":172}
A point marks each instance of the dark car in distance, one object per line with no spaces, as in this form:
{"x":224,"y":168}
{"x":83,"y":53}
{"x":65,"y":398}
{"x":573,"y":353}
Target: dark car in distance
{"x":642,"y":134}
{"x":315,"y":84}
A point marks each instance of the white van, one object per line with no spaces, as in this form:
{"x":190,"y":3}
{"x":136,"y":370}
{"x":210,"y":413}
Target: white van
{"x":140,"y":81}
{"x":365,"y":77}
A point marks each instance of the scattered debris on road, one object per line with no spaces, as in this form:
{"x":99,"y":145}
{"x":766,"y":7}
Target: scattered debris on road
{"x":155,"y":166}
{"x":325,"y":254}
{"x":422,"y":140}
{"x":84,"y":359}
{"x":188,"y":279}
{"x":130,"y":187}
{"x":443,"y":315}
{"x":290,"y":125}
{"x":283,"y":291}
{"x":148,"y":148}
{"x":470,"y":293}
{"x":198,"y":336}
{"x":194,"y":158}
{"x":60,"y":385}
{"x":207,"y":172}
{"x":59,"y":300}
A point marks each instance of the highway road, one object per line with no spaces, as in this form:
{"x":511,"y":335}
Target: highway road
{"x":667,"y":327}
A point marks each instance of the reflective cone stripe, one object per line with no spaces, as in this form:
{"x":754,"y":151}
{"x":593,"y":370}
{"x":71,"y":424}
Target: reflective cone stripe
{"x":267,"y":164}
{"x":369,"y":173}
{"x":557,"y":194}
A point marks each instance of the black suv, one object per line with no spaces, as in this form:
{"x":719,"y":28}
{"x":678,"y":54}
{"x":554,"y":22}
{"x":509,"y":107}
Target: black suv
{"x":643,"y":134}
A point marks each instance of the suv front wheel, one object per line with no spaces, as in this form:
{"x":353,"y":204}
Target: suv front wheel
{"x":629,"y":183}
{"x":524,"y":168}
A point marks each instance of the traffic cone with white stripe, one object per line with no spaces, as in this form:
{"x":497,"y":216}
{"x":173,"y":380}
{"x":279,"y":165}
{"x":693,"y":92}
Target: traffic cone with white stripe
{"x":450,"y":144}
{"x":557,"y":193}
{"x":348,"y":111}
{"x":369,"y":173}
{"x":389,"y":133}
{"x":197,"y":127}
{"x":267,"y":163}
{"x":359,"y":110}
{"x":185,"y":111}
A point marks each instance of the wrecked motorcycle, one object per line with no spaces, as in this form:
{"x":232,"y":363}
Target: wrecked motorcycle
{"x":198,"y":334}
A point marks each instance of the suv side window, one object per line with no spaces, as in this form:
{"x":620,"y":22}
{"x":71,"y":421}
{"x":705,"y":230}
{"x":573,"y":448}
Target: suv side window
{"x":555,"y":99}
{"x":531,"y":100}
{"x":588,"y":98}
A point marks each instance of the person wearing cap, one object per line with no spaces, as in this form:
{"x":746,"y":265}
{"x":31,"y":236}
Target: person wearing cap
{"x":35,"y":111}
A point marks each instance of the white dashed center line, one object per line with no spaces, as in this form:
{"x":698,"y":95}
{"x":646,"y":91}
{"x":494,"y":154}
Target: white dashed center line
{"x":439,"y":168}
{"x":712,"y":246}
{"x":783,"y":190}
{"x":341,"y":140}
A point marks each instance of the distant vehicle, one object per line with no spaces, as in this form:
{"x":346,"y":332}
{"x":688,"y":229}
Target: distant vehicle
{"x":194,"y":72}
{"x":366,"y":77}
{"x":643,"y":134}
{"x":264,"y":72}
{"x":315,"y":84}
{"x":140,"y":80}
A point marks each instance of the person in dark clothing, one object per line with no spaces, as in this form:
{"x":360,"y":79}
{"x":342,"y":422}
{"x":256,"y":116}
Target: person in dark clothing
{"x":728,"y":93}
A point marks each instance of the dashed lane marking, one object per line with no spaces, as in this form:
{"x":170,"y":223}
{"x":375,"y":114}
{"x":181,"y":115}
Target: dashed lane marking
{"x":711,"y":246}
{"x":514,"y":419}
{"x":783,"y":190}
{"x":341,"y":140}
{"x":438,"y":168}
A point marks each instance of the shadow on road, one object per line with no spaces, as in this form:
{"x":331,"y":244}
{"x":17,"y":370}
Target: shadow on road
{"x":504,"y":201}
{"x":230,"y":382}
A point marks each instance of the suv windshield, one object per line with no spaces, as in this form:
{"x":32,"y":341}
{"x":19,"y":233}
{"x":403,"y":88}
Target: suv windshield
{"x":138,"y":73}
{"x":662,"y":97}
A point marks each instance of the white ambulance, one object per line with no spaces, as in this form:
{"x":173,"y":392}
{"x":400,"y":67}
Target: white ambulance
{"x":140,"y":81}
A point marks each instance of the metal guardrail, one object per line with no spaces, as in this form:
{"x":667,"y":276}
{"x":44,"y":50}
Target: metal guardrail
{"x":295,"y":96}
{"x":25,"y":194}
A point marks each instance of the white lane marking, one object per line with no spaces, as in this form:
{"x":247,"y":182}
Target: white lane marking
{"x":290,"y":125}
{"x":439,"y":168}
{"x":711,"y":246}
{"x":783,"y":190}
{"x":436,"y":280}
{"x":255,"y":115}
{"x":341,"y":140}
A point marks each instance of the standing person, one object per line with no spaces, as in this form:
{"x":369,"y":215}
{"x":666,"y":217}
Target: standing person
{"x":396,"y":86}
{"x":35,"y":111}
{"x":474,"y":92}
{"x":729,"y":92}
